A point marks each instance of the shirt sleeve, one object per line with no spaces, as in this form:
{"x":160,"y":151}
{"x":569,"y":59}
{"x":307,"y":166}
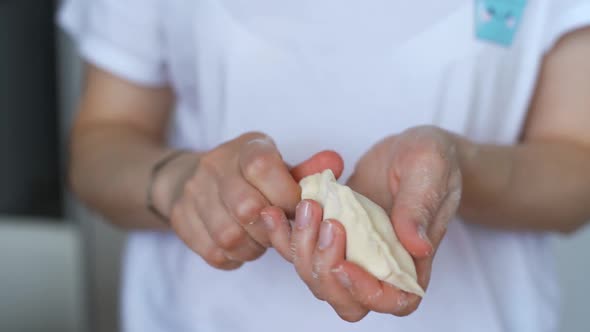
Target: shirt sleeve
{"x":564,"y":16}
{"x":123,"y":37}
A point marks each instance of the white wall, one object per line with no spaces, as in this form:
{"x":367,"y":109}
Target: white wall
{"x":41,"y":284}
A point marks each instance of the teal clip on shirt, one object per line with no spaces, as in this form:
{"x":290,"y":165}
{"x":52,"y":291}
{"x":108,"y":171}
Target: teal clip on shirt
{"x":497,"y":21}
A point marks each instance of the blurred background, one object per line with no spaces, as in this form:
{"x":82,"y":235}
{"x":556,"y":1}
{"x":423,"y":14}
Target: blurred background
{"x":59,"y":264}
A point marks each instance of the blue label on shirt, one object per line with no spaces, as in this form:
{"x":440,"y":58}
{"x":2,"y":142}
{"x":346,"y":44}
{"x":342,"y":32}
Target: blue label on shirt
{"x":497,"y":20}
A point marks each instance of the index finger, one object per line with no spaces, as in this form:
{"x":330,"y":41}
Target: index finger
{"x":318,"y":163}
{"x":263,"y":167}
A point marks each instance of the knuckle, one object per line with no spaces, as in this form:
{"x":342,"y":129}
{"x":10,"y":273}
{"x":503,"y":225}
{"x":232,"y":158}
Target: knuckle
{"x":425,"y":147}
{"x":229,"y":238}
{"x":247,"y":210}
{"x":208,"y":163}
{"x":193,"y":189}
{"x":434,"y":159}
{"x":260,"y":164}
{"x":429,"y":152}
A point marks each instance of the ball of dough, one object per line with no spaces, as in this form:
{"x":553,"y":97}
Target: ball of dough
{"x":371,"y":241}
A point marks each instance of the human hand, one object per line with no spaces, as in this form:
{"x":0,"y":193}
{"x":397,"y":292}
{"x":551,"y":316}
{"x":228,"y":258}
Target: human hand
{"x":416,"y":176}
{"x":216,"y":206}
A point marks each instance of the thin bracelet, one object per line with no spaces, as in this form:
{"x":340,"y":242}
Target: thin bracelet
{"x":153,"y":175}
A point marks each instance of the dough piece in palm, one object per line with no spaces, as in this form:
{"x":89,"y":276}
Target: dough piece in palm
{"x":371,"y":241}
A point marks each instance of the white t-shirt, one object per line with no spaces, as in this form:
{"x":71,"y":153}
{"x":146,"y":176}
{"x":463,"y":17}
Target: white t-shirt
{"x":371,"y":68}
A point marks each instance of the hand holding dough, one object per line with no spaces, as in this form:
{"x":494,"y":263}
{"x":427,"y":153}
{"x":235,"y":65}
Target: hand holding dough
{"x":370,"y":238}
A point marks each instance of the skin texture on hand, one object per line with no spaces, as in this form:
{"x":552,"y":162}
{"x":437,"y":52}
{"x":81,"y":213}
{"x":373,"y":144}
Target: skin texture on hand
{"x":217,"y":211}
{"x":422,"y":189}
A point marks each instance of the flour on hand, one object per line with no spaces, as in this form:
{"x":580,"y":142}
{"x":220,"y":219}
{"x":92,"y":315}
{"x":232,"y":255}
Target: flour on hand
{"x":371,"y":241}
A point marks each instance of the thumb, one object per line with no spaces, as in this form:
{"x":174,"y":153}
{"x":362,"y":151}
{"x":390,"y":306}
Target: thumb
{"x":412,"y":213}
{"x":319,"y":162}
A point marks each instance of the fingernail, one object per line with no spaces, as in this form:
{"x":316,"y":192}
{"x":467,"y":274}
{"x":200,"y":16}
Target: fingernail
{"x":303,"y":218}
{"x":267,"y":141}
{"x":326,"y":235}
{"x":342,"y":277}
{"x":268,"y":221}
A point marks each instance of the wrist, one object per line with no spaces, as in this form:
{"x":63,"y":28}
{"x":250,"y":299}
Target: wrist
{"x":467,"y":152}
{"x":169,"y":183}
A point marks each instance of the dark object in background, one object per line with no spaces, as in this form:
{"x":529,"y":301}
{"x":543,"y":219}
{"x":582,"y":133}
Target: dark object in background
{"x":30,"y":181}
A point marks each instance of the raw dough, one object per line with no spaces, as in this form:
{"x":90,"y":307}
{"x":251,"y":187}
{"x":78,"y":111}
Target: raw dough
{"x":370,"y":239}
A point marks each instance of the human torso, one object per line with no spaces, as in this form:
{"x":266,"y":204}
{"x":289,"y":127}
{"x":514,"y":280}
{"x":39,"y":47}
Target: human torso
{"x":342,"y":75}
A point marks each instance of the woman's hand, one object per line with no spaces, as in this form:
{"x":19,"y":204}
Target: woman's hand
{"x":415,"y":175}
{"x":216,"y":199}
